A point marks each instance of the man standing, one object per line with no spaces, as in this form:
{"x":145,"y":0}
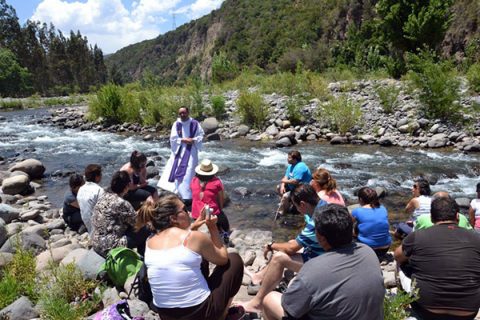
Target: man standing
{"x":343,"y":283}
{"x":297,"y":172}
{"x":89,"y":193}
{"x":185,"y":142}
{"x":444,"y":261}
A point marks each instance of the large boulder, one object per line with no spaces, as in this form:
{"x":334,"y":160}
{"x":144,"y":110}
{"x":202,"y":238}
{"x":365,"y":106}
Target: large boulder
{"x":32,"y":167}
{"x":283,"y":142}
{"x":5,"y":258}
{"x":242,"y":130}
{"x":54,"y":255}
{"x":8,"y":213}
{"x":28,"y":241}
{"x":20,"y":309}
{"x":210,"y":125}
{"x":87,"y":261}
{"x":16,"y":185}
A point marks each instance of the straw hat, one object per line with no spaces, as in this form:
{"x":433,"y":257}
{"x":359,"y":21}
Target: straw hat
{"x":206,"y":168}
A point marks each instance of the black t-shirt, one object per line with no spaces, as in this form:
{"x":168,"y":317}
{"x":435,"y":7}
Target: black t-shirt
{"x":445,"y":261}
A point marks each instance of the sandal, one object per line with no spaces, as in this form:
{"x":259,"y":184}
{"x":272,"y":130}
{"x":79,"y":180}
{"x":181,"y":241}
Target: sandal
{"x":252,"y":289}
{"x":236,"y":313}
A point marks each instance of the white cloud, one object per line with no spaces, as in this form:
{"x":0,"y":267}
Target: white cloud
{"x":107,"y":22}
{"x":199,"y":8}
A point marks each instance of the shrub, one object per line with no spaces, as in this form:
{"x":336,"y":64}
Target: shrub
{"x":159,"y":106}
{"x":11,"y":104}
{"x":294,"y":113}
{"x":194,"y":97}
{"x":340,"y":114}
{"x":218,"y":106}
{"x":222,"y":68}
{"x":437,"y":84}
{"x":115,"y":105}
{"x":252,"y":109}
{"x":394,"y":305}
{"x":388,"y":97}
{"x":473,"y":76}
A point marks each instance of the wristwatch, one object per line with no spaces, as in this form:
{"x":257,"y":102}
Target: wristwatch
{"x":269,"y":245}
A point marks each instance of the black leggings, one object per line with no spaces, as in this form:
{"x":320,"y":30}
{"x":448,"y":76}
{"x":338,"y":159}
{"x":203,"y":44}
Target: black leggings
{"x":136,"y":197}
{"x":222,"y":222}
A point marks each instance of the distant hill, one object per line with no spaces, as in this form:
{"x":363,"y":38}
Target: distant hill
{"x":270,"y":34}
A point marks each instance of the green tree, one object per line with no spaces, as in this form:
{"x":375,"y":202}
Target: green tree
{"x":14,"y":78}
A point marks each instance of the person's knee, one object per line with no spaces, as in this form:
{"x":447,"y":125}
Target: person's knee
{"x":272,"y":305}
{"x":280,"y":258}
{"x":236,"y":261}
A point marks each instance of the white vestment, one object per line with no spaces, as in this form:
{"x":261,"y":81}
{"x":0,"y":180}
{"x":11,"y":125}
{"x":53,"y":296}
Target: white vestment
{"x":182,"y":187}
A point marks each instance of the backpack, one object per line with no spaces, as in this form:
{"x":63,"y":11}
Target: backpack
{"x":116,"y":311}
{"x":121,"y":263}
{"x":142,"y":286}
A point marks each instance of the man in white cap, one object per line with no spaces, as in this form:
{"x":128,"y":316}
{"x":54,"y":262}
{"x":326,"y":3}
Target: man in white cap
{"x":185,"y":142}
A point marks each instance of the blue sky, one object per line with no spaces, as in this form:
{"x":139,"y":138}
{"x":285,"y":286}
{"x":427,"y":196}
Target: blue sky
{"x":114,"y":24}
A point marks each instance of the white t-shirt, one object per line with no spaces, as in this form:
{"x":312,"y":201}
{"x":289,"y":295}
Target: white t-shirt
{"x":475,"y":204}
{"x":87,"y":197}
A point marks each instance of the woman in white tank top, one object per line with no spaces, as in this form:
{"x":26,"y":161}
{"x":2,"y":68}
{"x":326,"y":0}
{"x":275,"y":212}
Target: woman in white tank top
{"x":421,"y":202}
{"x":174,"y":255}
{"x":474,"y":211}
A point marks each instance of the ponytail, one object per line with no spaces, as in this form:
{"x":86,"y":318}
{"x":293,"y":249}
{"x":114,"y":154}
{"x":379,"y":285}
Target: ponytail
{"x":325,"y":180}
{"x":156,"y":216}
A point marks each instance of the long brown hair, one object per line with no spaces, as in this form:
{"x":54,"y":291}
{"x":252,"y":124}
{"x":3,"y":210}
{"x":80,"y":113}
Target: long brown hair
{"x":156,"y":216}
{"x":324,"y":180}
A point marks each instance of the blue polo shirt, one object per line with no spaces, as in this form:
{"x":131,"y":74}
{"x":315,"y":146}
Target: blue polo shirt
{"x":299,"y":172}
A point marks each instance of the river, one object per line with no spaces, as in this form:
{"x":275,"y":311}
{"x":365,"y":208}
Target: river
{"x":256,"y":166}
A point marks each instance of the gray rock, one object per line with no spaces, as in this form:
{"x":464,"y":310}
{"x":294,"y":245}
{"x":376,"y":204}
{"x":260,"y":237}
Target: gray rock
{"x":242,"y":191}
{"x":60,"y":243}
{"x":152,"y":172}
{"x":28,"y":241}
{"x":437,"y":143}
{"x":284,"y":142}
{"x":339,"y":140}
{"x":29,"y":214}
{"x":209,"y":125}
{"x":32,"y":167}
{"x":39,"y":229}
{"x":16,"y":185}
{"x":138,"y":308}
{"x":423,"y":122}
{"x":389,"y":279}
{"x":56,"y":224}
{"x":20,"y":309}
{"x":8,"y":213}
{"x":404,"y":129}
{"x":14,"y":228}
{"x":3,"y":175}
{"x":287,"y":133}
{"x":381,"y":192}
{"x":243,"y":130}
{"x":3,"y":232}
{"x":402,"y":122}
{"x":249,"y":257}
{"x":286,"y":124}
{"x":367,"y":138}
{"x":434,"y":128}
{"x":463,"y":203}
{"x":213,"y":137}
{"x":87,"y":261}
{"x":385,"y":141}
{"x":278,"y":122}
{"x":472,"y":147}
{"x":5,"y":258}
{"x":53,"y":255}
{"x":272,"y":130}
{"x":110,"y":296}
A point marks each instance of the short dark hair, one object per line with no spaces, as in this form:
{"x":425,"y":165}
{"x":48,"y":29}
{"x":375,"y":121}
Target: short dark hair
{"x":92,"y":171}
{"x":423,"y":186}
{"x":443,"y":208}
{"x":305,"y":193}
{"x":76,"y":180}
{"x":295,"y":155}
{"x":335,"y":224}
{"x":184,"y":107}
{"x":369,"y":196}
{"x":136,"y":158}
{"x":120,"y":180}
{"x":478,"y":187}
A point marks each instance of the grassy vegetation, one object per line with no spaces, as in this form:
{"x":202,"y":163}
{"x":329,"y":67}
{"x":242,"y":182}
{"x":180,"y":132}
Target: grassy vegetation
{"x":61,"y":291}
{"x":36,"y":101}
{"x":394,"y":306}
{"x":252,"y":109}
{"x":340,"y":114}
{"x":473,"y":76}
{"x":388,"y":97}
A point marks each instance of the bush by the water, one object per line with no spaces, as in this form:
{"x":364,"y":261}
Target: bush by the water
{"x":473,"y":76}
{"x":340,"y":114}
{"x":252,"y":109}
{"x":218,"y":106}
{"x":437,"y":84}
{"x":388,"y":97}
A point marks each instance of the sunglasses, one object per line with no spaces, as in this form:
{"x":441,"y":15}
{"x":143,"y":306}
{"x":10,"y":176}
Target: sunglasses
{"x":415,"y":186}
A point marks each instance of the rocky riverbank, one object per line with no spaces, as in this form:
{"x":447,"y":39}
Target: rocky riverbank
{"x":404,"y":126}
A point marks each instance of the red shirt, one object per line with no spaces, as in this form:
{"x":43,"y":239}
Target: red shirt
{"x":210,"y":191}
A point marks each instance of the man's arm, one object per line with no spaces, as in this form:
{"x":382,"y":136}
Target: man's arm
{"x":290,"y":247}
{"x":400,"y":256}
{"x":175,"y":140}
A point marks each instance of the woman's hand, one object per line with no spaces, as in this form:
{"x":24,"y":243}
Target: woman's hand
{"x":198,"y":222}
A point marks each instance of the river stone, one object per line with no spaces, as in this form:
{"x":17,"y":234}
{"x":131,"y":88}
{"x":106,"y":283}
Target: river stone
{"x":87,"y":261}
{"x":5,"y":258}
{"x":434,"y":128}
{"x":249,"y":257}
{"x":32,"y":167}
{"x":209,"y":125}
{"x":8,"y":213}
{"x":272,"y":130}
{"x":437,"y":143}
{"x":367,"y":138}
{"x":4,"y":175}
{"x":381,"y":131}
{"x":16,"y":185}
{"x":213,"y":136}
{"x":39,"y":229}
{"x":28,"y":241}
{"x":472,"y":147}
{"x":404,"y":129}
{"x":243,"y":130}
{"x":286,"y":124}
{"x":53,"y":255}
{"x":339,"y":140}
{"x":3,"y":232}
{"x":385,"y":141}
{"x":402,"y":122}
{"x":60,"y":243}
{"x":242,"y":191}
{"x":29,"y":214}
{"x":56,"y":224}
{"x":283,"y":142}
{"x":381,"y":192}
{"x":287,"y":133}
{"x":463,"y":202}
{"x":20,"y":309}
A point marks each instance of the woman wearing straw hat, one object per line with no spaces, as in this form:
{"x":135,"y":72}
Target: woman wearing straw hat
{"x":207,"y":190}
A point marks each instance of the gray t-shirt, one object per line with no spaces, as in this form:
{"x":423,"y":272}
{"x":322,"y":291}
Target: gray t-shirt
{"x":341,"y":284}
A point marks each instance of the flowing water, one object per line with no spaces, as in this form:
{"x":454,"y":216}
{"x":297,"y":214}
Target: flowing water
{"x":255,"y":166}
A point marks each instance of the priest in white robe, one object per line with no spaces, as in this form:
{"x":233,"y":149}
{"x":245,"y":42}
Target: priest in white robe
{"x":185,"y":142}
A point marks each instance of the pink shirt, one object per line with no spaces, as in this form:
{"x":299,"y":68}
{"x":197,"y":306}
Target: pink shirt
{"x":333,"y":197}
{"x":211,"y":189}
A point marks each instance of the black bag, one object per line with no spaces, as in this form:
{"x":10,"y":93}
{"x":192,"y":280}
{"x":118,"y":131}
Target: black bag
{"x":142,"y":286}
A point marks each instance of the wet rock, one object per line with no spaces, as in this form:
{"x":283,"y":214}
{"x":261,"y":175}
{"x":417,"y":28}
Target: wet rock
{"x":209,"y":125}
{"x":284,"y":142}
{"x":385,"y":141}
{"x":243,"y":130}
{"x":20,"y":309}
{"x":8,"y":213}
{"x":16,"y":185}
{"x":213,"y":137}
{"x":32,"y":167}
{"x":152,"y":172}
{"x":242,"y":191}
{"x":339,"y":140}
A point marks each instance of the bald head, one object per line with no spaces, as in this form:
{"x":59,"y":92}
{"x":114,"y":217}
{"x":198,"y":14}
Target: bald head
{"x":443,"y":208}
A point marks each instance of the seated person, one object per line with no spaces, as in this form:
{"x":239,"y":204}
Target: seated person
{"x":297,"y":172}
{"x":89,"y":193}
{"x":345,"y":283}
{"x":173,"y":256}
{"x":114,"y":219}
{"x":71,"y":209}
{"x":444,"y":261}
{"x":372,"y":222}
{"x":474,"y":210}
{"x":305,"y":200}
{"x":326,"y":187}
{"x":139,"y":190}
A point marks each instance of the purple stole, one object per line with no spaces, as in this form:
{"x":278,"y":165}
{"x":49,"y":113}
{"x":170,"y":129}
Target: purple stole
{"x":179,"y":170}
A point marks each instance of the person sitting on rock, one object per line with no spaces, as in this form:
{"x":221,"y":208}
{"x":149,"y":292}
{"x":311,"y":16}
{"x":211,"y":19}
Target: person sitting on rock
{"x":474,"y":210}
{"x":372,"y":222}
{"x":181,"y":288}
{"x":139,"y":190}
{"x":89,"y":193}
{"x":344,"y":283}
{"x":326,"y":187}
{"x":71,"y":209}
{"x":114,"y":219}
{"x":443,"y":260}
{"x":286,"y":254}
{"x":297,"y":172}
